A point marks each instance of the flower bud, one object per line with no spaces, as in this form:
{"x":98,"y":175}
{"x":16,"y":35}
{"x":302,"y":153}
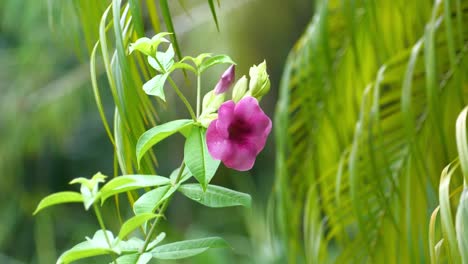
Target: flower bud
{"x":239,"y":89}
{"x":226,"y":80}
{"x":259,"y":84}
{"x":211,"y":102}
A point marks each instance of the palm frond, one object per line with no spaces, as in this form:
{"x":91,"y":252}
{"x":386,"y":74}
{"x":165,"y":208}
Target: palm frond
{"x":365,"y":125}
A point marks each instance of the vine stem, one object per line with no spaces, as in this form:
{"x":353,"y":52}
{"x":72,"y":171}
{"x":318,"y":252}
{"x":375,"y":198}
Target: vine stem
{"x":182,"y":97}
{"x":161,"y":211}
{"x":103,"y":227}
{"x":198,"y":94}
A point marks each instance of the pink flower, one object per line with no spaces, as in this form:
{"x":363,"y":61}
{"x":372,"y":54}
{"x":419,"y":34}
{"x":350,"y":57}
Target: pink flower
{"x":239,"y":133}
{"x":226,"y":80}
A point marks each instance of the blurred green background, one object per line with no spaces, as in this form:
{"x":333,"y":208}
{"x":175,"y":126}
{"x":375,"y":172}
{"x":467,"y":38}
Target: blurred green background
{"x":50,"y":130}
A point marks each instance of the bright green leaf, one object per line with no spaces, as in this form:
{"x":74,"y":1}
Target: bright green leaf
{"x":155,"y":86}
{"x":215,"y":196}
{"x":187,"y":248}
{"x":134,"y":222}
{"x":149,"y":46}
{"x":462,"y":225}
{"x":149,"y":201}
{"x":215,"y":60}
{"x":83,"y":250}
{"x":158,"y":133}
{"x":131,"y":182}
{"x":184,"y":177}
{"x":163,"y":61}
{"x":58,"y":198}
{"x":156,"y":241}
{"x":199,"y":162}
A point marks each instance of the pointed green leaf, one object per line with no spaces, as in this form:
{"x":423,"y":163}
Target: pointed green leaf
{"x":149,"y":46}
{"x":199,"y":162}
{"x":156,"y":241}
{"x":134,"y":222}
{"x":166,"y":13}
{"x":163,"y":61}
{"x":155,"y":86}
{"x":462,"y":225}
{"x":215,"y":196}
{"x":83,"y":250}
{"x":184,"y":177}
{"x":151,"y":200}
{"x":158,"y":133}
{"x":215,"y":60}
{"x":182,"y":65}
{"x":58,"y":198}
{"x":131,"y":182}
{"x":213,"y":13}
{"x":187,"y":248}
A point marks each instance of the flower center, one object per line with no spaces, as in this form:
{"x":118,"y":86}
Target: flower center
{"x":239,"y":130}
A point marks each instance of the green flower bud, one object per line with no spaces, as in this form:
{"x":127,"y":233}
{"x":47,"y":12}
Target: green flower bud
{"x":259,"y":84}
{"x":239,"y":89}
{"x":205,"y":120}
{"x":211,"y":102}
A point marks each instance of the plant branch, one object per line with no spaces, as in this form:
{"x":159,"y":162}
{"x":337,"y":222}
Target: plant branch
{"x":161,"y":211}
{"x":182,"y":97}
{"x":103,"y":227}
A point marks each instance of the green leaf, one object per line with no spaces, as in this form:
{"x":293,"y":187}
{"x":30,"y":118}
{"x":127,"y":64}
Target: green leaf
{"x":182,"y":65}
{"x":158,"y":133}
{"x":184,"y":177}
{"x":155,"y":86}
{"x":213,"y":13}
{"x":156,"y":241}
{"x":131,"y":245}
{"x":215,"y":196}
{"x":199,"y":162}
{"x":166,"y":13}
{"x":149,"y":201}
{"x":215,"y":60}
{"x":134,"y":222}
{"x":58,"y":198}
{"x":83,"y":250}
{"x":163,"y":61}
{"x":187,"y":248}
{"x":135,"y":258}
{"x":149,"y":46}
{"x":462,"y":225}
{"x":131,"y":182}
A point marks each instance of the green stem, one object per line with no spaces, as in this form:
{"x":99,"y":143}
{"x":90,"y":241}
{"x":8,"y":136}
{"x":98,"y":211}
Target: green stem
{"x":103,"y":227}
{"x":161,"y":211}
{"x":182,"y":97}
{"x":198,"y":94}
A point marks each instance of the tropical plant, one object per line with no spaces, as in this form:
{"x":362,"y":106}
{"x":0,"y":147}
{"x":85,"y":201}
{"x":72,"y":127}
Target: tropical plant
{"x":365,"y":125}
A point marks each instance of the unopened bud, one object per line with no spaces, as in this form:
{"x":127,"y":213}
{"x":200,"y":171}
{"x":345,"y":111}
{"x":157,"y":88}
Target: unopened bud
{"x":259,"y":84}
{"x":239,"y":89}
{"x":226,"y":80}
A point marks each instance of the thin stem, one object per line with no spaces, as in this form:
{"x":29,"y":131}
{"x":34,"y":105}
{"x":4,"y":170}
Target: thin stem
{"x":103,"y":227}
{"x":198,"y":94}
{"x":182,"y":97}
{"x":161,"y":211}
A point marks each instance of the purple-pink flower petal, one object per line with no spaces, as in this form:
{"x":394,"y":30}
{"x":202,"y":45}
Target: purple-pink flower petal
{"x":239,"y":133}
{"x":226,"y":80}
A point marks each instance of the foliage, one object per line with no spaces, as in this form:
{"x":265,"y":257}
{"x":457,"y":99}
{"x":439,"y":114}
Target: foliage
{"x":364,"y":126}
{"x":152,"y":205}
